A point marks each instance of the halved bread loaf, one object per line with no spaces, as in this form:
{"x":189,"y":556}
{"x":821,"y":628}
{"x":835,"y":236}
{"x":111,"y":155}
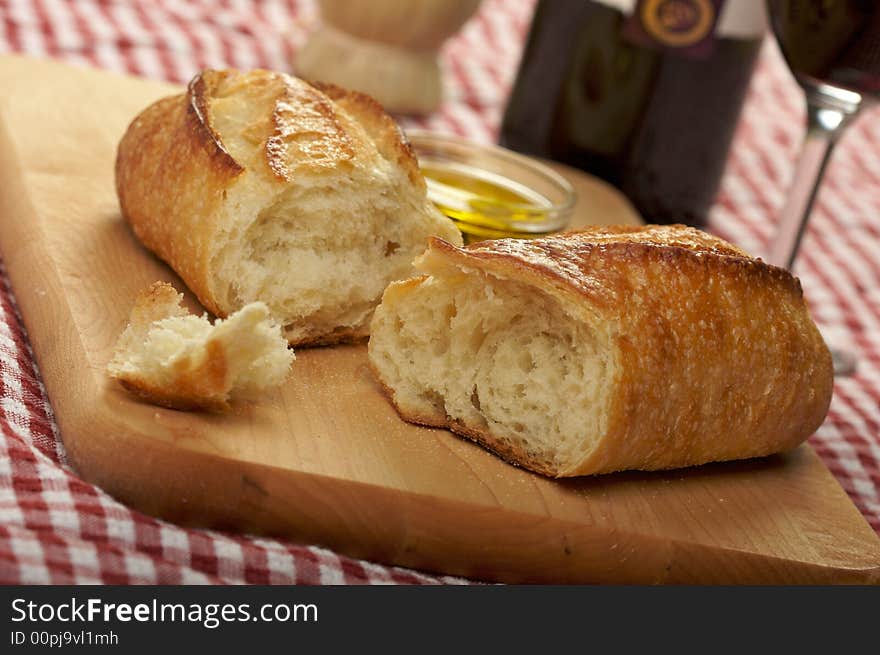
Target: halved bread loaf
{"x":605,"y":350}
{"x":175,"y":359}
{"x":259,"y":186}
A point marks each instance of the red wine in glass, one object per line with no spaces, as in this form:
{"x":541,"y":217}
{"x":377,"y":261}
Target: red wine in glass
{"x":833,"y":49}
{"x":830,"y":42}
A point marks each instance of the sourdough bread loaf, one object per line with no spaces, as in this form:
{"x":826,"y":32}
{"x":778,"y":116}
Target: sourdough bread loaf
{"x":604,"y":350}
{"x":260,"y":187}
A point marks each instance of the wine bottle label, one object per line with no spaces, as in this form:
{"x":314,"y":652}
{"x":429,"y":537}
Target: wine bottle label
{"x":687,"y":26}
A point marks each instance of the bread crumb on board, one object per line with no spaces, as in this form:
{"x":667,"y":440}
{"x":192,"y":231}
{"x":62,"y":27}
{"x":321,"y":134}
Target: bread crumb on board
{"x":179,"y":360}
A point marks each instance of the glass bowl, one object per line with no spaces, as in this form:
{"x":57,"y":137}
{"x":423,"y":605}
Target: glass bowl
{"x":489,"y":191}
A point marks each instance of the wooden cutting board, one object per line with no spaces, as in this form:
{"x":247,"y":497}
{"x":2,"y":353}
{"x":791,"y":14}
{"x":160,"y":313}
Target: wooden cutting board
{"x":326,"y":459}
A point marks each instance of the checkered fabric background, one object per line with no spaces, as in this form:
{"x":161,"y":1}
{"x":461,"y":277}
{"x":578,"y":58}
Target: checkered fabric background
{"x":56,"y":528}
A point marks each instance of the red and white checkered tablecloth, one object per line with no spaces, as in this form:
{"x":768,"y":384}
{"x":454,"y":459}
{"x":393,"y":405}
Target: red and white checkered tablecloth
{"x":56,"y":528}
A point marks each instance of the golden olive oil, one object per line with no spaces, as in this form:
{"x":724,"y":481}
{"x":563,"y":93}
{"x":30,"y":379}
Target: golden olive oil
{"x":485,"y":205}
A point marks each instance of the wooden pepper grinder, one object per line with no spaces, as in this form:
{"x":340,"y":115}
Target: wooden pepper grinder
{"x":386,"y":48}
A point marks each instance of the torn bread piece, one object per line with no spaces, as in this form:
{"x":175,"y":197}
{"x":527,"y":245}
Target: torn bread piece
{"x":609,"y":349}
{"x":176,"y":359}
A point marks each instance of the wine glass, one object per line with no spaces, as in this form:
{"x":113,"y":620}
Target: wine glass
{"x":833,"y":49}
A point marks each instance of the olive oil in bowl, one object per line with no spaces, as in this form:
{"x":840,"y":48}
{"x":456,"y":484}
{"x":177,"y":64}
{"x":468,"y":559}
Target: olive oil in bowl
{"x":492,"y":193}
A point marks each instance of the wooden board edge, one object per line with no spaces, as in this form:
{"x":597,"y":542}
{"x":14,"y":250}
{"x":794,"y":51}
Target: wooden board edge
{"x":403,"y":528}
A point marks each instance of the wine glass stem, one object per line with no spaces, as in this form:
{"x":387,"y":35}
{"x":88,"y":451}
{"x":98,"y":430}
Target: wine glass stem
{"x":825,"y":123}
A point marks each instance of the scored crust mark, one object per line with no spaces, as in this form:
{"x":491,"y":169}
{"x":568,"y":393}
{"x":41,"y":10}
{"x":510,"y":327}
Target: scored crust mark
{"x":198,"y":93}
{"x":390,"y":139}
{"x":306,"y":130}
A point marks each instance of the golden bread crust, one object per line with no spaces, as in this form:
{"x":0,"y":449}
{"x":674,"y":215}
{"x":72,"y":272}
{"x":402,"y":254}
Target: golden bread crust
{"x":566,"y":261}
{"x":199,"y":91}
{"x":171,"y":174}
{"x":717,"y":355}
